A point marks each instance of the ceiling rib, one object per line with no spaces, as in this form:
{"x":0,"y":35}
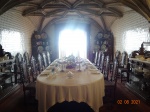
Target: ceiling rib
{"x":98,"y":2}
{"x":10,"y":4}
{"x":45,"y":2}
{"x":92,"y":21}
{"x":76,"y":3}
{"x":29,"y":11}
{"x":148,"y":2}
{"x":142,"y":8}
{"x":54,"y":12}
{"x":119,"y":14}
{"x":103,"y":22}
{"x":133,"y":6}
{"x":114,"y":4}
{"x":66,"y":3}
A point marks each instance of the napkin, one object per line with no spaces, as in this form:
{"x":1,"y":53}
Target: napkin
{"x":48,"y":68}
{"x":95,"y":72}
{"x":51,"y":76}
{"x":43,"y":74}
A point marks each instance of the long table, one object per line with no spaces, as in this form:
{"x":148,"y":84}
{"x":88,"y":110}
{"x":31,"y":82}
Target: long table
{"x":85,"y":86}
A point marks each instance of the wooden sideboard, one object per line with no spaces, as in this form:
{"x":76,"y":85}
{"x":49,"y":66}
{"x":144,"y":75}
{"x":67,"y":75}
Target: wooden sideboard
{"x":7,"y":78}
{"x":138,"y":82}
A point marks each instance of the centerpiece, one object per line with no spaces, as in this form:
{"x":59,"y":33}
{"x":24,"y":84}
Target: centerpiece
{"x":71,"y":62}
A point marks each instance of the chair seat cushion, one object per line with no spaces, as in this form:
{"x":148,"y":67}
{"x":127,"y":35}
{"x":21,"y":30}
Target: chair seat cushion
{"x":31,"y":85}
{"x":122,"y":70}
{"x":109,"y":83}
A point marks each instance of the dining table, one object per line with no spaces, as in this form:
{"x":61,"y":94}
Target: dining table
{"x":55,"y":86}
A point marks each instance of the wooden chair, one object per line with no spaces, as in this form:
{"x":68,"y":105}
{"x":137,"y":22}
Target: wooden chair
{"x":17,"y":67}
{"x":95,"y":58}
{"x":101,"y":66}
{"x":110,"y":86}
{"x":40,"y":63}
{"x":34,"y":68}
{"x":106,"y":69}
{"x":45,"y":63}
{"x":48,"y":57}
{"x":123,"y":68}
{"x":99,"y":59}
{"x":117,"y":58}
{"x":27,"y":81}
{"x":26,"y":57}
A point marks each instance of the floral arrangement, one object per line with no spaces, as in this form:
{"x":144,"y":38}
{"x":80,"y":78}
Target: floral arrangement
{"x":71,"y":62}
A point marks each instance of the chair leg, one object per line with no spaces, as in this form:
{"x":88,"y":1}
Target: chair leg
{"x":24,"y":97}
{"x":121,"y":76}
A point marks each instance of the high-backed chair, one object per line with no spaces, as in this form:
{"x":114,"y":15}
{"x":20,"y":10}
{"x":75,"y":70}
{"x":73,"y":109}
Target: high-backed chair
{"x":17,"y":67}
{"x":123,"y":68}
{"x":110,"y":86}
{"x":45,"y":63}
{"x":48,"y":57}
{"x":116,"y":58}
{"x":40,"y":63}
{"x":27,"y":58}
{"x":27,"y":81}
{"x":34,"y":68}
{"x":99,"y":59}
{"x":95,"y":58}
{"x":101,"y":66}
{"x":106,"y":69}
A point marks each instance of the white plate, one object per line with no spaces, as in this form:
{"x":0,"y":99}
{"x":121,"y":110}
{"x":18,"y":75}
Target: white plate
{"x":40,"y":48}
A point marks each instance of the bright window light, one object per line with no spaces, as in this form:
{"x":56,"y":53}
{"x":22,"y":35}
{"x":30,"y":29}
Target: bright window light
{"x":134,"y":39}
{"x":72,"y":42}
{"x":11,"y":41}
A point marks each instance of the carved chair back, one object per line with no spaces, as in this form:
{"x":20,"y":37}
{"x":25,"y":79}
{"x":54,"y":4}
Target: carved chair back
{"x":101,"y":67}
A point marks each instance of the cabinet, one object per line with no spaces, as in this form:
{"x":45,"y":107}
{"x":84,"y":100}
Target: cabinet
{"x":7,"y":78}
{"x":40,"y":42}
{"x":104,"y":42}
{"x":139,"y":78}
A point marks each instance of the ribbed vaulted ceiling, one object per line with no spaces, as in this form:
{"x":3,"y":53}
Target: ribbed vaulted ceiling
{"x":101,"y":13}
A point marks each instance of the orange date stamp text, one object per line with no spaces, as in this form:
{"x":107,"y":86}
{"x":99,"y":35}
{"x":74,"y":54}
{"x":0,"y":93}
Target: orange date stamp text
{"x":134,"y":102}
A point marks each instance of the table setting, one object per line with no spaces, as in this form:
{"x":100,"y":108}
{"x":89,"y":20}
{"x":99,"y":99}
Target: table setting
{"x":73,"y":82}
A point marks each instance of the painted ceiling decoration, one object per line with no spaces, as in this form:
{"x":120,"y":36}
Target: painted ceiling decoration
{"x":102,"y":13}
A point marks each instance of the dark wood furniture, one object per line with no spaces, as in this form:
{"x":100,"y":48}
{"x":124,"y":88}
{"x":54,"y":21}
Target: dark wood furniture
{"x":27,"y":81}
{"x":123,"y":68}
{"x":7,"y":78}
{"x":102,"y":62}
{"x":48,"y":57}
{"x":40,"y":42}
{"x":95,"y":58}
{"x":107,"y":68}
{"x":104,"y":42}
{"x":40,"y":63}
{"x":34,"y":68}
{"x":27,"y":58}
{"x":99,"y":59}
{"x":110,"y":86}
{"x":45,"y":63}
{"x":138,"y":83}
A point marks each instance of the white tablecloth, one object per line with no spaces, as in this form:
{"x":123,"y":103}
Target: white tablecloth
{"x":86,"y":86}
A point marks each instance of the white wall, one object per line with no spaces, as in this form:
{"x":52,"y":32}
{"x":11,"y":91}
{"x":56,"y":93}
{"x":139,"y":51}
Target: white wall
{"x":14,"y":21}
{"x":130,"y":31}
